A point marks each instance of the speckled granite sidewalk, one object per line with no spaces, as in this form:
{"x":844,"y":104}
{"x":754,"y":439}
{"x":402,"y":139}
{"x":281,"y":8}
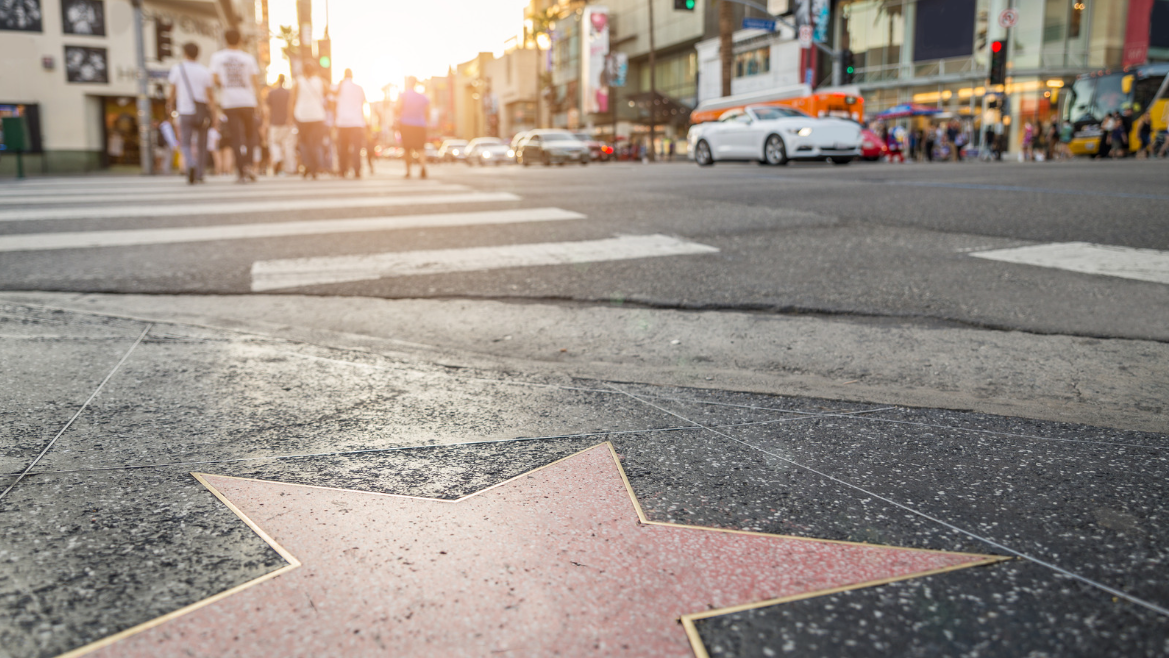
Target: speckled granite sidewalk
{"x":108,"y":542}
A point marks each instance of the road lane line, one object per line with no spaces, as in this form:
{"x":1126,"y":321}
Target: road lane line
{"x":297,"y":272}
{"x":1087,"y":258}
{"x":137,"y":237}
{"x":186,"y":194}
{"x":246,"y":207}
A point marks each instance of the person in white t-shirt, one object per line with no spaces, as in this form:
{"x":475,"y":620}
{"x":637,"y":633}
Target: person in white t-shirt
{"x":191,"y":98}
{"x":238,"y":76}
{"x":350,"y":124}
{"x":307,"y":103}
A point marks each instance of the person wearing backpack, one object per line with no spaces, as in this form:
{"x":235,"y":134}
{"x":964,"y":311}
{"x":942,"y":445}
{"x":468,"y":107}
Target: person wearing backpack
{"x":191,"y":97}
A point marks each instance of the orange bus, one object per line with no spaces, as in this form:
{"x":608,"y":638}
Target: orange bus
{"x":845,"y":106}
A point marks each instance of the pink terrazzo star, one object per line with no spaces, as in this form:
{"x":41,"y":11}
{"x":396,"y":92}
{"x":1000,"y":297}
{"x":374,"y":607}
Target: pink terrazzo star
{"x":556,"y":562}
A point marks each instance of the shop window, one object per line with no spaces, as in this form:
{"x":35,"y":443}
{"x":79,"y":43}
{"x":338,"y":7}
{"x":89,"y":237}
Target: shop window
{"x":753,"y":62}
{"x":944,"y":29}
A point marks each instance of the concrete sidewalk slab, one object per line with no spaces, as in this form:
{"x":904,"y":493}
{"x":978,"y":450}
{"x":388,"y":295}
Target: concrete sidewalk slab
{"x":111,"y":531}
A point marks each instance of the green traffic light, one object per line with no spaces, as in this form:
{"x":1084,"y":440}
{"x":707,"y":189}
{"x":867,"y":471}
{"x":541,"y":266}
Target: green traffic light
{"x":690,"y":4}
{"x":325,"y":62}
{"x":851,"y":69}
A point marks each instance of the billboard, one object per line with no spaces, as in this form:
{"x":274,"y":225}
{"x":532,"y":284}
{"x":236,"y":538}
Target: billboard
{"x":595,"y":46}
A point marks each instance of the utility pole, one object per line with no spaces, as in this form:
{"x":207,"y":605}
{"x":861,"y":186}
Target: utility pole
{"x":145,"y":152}
{"x":653,"y":84}
{"x":726,"y":45}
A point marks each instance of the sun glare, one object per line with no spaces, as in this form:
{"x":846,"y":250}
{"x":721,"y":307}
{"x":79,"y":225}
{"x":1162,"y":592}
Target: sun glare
{"x":384,"y":41}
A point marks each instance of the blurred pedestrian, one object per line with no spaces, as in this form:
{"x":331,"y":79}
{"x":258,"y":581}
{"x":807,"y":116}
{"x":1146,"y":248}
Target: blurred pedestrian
{"x":1145,"y":135}
{"x":308,"y":110}
{"x":191,"y":98}
{"x":238,"y":76}
{"x":168,"y":142}
{"x":371,"y":144}
{"x":350,"y":124}
{"x":281,"y":138}
{"x":1028,"y":141}
{"x":1119,"y":137}
{"x":1051,"y":140}
{"x":412,"y":110}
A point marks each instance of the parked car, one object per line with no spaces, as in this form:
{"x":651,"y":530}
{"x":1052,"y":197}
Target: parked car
{"x":872,"y":146}
{"x":479,"y":151}
{"x":430,"y":153}
{"x":453,"y":150}
{"x":552,"y":147}
{"x":598,"y":151}
{"x":774,"y":135}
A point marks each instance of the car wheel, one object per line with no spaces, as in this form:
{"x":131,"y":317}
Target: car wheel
{"x":584,"y":161}
{"x":547,"y":160}
{"x":702,"y":154}
{"x":524,"y":161}
{"x":774,"y":152}
{"x":840,"y":161}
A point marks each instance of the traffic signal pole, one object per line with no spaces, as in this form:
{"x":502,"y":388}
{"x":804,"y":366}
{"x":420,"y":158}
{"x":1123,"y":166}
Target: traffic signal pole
{"x":145,"y":152}
{"x":653,"y":83}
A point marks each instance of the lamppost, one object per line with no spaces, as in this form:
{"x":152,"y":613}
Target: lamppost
{"x":145,"y":116}
{"x":543,"y":42}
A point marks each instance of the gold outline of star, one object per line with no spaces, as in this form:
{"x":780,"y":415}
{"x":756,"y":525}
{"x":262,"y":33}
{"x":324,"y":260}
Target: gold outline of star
{"x":687,"y":620}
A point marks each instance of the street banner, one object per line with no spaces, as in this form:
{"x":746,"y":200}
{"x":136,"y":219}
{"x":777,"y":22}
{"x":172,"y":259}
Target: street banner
{"x":595,"y":27}
{"x":616,"y":68}
{"x":1136,"y":33}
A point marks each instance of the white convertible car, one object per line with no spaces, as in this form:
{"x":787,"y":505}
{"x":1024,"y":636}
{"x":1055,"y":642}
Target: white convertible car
{"x":773,"y":135}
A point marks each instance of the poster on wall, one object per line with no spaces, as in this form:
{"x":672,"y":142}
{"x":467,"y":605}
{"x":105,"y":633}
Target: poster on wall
{"x":814,"y":14}
{"x":84,"y":64}
{"x":596,"y":49}
{"x":83,"y":17}
{"x":21,"y":15}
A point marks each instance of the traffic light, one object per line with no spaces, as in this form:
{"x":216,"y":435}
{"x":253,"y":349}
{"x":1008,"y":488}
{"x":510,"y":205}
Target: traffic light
{"x":684,"y":5}
{"x":847,"y":67}
{"x":325,"y":53}
{"x":164,"y":45}
{"x":998,"y":62}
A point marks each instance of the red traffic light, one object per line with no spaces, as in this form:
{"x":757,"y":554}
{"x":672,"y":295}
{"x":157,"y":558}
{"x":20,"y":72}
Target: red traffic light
{"x":996,"y":46}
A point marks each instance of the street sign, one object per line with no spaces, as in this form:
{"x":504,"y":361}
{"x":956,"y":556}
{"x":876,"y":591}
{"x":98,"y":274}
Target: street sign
{"x":758,"y":24}
{"x":1008,"y":18}
{"x":805,"y":36}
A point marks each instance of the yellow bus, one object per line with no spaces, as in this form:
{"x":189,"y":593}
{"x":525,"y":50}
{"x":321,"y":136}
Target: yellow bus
{"x":1096,"y":95}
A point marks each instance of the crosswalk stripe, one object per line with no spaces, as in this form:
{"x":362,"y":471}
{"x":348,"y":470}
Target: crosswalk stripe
{"x":214,"y":187}
{"x":245,"y":207}
{"x":218,"y":195}
{"x":298,"y":272}
{"x":136,"y":237}
{"x":1087,"y":258}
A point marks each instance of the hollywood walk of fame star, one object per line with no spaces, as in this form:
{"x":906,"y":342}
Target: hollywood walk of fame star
{"x":560,"y":561}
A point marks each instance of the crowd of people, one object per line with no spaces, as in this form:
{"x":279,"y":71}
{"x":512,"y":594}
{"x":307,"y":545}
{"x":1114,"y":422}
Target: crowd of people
{"x":224,"y":118}
{"x":955,"y":141}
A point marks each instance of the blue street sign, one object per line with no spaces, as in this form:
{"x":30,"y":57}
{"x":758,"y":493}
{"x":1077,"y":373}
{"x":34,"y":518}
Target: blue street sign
{"x":758,"y":24}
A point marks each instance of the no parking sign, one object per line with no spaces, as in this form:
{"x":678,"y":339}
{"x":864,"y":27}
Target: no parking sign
{"x":1008,"y":18}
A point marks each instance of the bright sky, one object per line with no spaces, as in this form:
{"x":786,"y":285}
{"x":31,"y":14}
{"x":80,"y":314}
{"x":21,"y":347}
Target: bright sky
{"x":383,"y":41}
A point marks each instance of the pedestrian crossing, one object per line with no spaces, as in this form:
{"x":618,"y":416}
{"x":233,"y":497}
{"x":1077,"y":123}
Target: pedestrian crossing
{"x":285,"y":208}
{"x":1087,"y":258}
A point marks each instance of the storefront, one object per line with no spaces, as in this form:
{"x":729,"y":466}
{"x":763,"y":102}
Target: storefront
{"x":936,"y":52}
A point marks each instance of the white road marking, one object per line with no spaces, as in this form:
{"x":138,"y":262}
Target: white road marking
{"x":126,"y":238}
{"x":246,"y":207}
{"x":187,"y":194}
{"x":1124,"y":262}
{"x":297,"y":272}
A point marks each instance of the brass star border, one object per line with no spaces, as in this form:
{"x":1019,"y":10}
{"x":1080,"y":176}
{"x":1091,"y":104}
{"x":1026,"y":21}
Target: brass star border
{"x":687,"y":620}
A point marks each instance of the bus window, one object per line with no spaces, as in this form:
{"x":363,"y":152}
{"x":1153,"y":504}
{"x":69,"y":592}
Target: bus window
{"x":1110,"y":96}
{"x":1146,"y":88}
{"x":1078,"y":106}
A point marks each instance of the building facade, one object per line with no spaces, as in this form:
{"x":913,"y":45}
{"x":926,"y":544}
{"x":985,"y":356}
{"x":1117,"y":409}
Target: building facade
{"x":937,"y":52}
{"x":70,"y":68}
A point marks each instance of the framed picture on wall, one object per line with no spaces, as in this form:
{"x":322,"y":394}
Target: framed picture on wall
{"x":83,"y":17}
{"x":85,"y":64}
{"x":21,"y":15}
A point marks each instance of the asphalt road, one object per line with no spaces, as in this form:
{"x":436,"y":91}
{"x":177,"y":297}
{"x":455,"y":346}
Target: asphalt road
{"x":876,"y":240}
